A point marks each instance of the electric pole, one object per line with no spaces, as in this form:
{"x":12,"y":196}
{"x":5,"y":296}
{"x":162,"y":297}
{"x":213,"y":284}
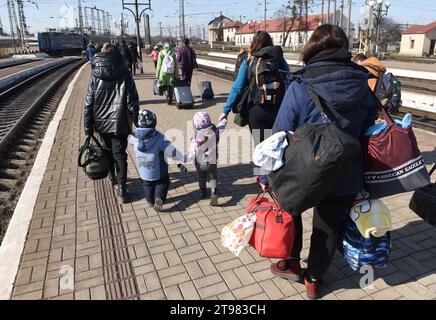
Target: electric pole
{"x":80,"y":16}
{"x":137,"y":15}
{"x":13,"y":23}
{"x":147,"y":32}
{"x":23,"y":25}
{"x":334,"y":12}
{"x":328,"y":11}
{"x":350,"y":36}
{"x":160,"y":31}
{"x":322,"y":12}
{"x":264,"y":17}
{"x":182,"y":19}
{"x":342,"y":13}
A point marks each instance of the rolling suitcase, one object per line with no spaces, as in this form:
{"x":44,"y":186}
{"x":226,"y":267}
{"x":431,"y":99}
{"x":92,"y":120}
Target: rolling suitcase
{"x":183,"y":95}
{"x":423,"y":202}
{"x":205,"y":88}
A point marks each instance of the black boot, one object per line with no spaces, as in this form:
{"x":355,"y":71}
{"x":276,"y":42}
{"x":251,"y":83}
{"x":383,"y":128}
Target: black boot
{"x":122,"y":193}
{"x":214,"y":198}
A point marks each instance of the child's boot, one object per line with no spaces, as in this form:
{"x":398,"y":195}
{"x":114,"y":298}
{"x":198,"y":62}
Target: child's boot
{"x":158,"y":205}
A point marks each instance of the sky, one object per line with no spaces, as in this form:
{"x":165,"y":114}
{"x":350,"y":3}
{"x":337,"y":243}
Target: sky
{"x":41,"y":14}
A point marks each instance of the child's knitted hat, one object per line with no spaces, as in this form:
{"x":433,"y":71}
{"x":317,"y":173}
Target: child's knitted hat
{"x":202,"y":120}
{"x":147,"y":119}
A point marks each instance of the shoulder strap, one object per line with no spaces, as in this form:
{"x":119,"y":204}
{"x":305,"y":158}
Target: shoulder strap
{"x":432,"y":170}
{"x":318,"y":103}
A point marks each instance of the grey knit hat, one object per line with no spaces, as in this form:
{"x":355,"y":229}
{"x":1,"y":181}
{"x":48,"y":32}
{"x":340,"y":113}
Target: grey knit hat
{"x":147,"y":119}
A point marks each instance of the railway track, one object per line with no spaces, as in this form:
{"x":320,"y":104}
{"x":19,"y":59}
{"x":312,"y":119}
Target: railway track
{"x":25,"y":112}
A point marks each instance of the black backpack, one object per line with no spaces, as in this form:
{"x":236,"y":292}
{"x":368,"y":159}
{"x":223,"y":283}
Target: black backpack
{"x":267,"y":83}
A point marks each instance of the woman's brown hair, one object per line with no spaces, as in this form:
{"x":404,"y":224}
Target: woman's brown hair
{"x":261,"y":40}
{"x":109,"y":48}
{"x":324,"y":37}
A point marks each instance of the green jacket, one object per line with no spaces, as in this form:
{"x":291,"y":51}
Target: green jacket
{"x":166,"y":78}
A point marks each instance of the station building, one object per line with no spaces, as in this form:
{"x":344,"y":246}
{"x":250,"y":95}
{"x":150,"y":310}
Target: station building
{"x":419,"y":40}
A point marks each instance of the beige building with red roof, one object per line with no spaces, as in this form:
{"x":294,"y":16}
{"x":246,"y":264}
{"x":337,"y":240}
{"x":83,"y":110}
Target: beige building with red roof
{"x":230,"y":30}
{"x":419,"y":40}
{"x":299,"y":33}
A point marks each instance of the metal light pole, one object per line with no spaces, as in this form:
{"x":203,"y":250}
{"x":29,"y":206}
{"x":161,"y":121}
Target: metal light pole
{"x":328,"y":11}
{"x":378,"y":19}
{"x":334,"y":12}
{"x":341,"y":18}
{"x":137,"y":17}
{"x":350,"y":3}
{"x":322,"y":12}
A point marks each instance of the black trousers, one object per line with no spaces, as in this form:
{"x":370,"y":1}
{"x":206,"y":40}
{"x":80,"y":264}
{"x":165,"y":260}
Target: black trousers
{"x":260,"y":121}
{"x":115,"y":147}
{"x":329,"y":219}
{"x":156,"y":189}
{"x":207,"y":173}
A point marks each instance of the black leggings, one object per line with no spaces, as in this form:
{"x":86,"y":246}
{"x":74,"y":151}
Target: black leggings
{"x":329,"y":218}
{"x":261,"y":120}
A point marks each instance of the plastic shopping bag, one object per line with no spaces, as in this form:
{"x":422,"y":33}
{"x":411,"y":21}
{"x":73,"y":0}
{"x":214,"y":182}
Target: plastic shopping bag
{"x":139,"y":64}
{"x":236,"y":235}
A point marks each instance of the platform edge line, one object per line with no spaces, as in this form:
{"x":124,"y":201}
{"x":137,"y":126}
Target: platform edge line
{"x":16,"y":235}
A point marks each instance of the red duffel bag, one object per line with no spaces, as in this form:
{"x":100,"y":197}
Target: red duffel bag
{"x":274,"y":230}
{"x":393,"y":162}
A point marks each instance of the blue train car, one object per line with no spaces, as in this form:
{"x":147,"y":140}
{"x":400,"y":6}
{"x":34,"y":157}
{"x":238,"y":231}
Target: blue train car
{"x":57,"y":44}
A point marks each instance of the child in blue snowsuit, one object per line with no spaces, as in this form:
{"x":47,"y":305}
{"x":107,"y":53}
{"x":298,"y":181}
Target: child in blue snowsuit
{"x":151,"y":149}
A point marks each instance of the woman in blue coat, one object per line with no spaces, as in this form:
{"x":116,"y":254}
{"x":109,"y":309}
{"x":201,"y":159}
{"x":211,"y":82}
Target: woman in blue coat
{"x":343,"y":89}
{"x":260,"y":118}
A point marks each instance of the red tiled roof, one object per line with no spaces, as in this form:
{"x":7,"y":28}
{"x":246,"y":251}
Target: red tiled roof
{"x":232,"y":24}
{"x":421,"y":29}
{"x":279,"y":25}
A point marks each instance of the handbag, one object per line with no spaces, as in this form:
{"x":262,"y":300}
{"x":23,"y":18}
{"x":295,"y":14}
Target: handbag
{"x":315,"y":162}
{"x":240,"y":109}
{"x":93,"y":159}
{"x":423,"y":202}
{"x":393,"y":162}
{"x":274,"y":230}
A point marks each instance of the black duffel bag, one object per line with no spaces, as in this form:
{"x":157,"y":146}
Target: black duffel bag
{"x":315,"y":162}
{"x":423,"y":202}
{"x":93,"y":159}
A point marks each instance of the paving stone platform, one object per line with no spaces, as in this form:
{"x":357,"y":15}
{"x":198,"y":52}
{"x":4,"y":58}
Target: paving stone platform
{"x":83,"y":244}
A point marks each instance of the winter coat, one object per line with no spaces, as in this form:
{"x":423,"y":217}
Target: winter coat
{"x":204,"y":144}
{"x":187,"y":58}
{"x":374,"y":66}
{"x":112,"y":101}
{"x":125,"y":52}
{"x":343,"y":87}
{"x":151,"y":149}
{"x":166,"y":78}
{"x":91,"y":51}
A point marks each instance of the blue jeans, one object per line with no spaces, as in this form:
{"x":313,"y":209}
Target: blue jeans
{"x":156,"y":189}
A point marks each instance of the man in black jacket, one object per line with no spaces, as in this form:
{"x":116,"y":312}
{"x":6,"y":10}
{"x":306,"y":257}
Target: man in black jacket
{"x":112,"y":103}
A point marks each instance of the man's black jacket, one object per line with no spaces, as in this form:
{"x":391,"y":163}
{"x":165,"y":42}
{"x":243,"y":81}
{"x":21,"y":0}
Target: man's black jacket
{"x":112,"y":102}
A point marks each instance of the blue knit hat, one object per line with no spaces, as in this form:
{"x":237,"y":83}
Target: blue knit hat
{"x":147,"y":119}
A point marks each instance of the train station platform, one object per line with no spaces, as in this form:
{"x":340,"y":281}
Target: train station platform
{"x":71,"y":239}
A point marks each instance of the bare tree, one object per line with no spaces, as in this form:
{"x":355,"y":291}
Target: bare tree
{"x":289,"y":14}
{"x":390,"y":33}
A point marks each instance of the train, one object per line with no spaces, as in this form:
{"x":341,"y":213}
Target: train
{"x":72,"y":44}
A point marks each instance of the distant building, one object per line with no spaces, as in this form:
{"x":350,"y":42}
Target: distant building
{"x":216,"y":29}
{"x":419,"y":40}
{"x":230,"y":30}
{"x":299,"y":33}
